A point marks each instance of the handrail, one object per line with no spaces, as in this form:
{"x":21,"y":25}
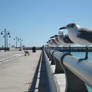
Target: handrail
{"x":72,"y":49}
{"x":80,"y":69}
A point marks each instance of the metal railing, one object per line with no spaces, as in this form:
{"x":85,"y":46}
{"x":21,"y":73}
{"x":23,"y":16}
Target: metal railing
{"x":78,"y":73}
{"x":72,"y":49}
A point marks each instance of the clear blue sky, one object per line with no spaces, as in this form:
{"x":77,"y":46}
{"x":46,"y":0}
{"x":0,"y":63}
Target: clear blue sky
{"x":36,"y":20}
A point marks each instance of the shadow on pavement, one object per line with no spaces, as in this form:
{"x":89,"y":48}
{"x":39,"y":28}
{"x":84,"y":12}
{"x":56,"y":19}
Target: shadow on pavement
{"x":43,"y":80}
{"x":43,"y":84}
{"x":32,"y":88}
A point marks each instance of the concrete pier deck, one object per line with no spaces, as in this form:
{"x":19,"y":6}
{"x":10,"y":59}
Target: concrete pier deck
{"x":23,"y":74}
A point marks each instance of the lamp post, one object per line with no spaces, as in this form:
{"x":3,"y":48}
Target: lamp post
{"x":16,"y":40}
{"x":20,"y":42}
{"x":6,"y":35}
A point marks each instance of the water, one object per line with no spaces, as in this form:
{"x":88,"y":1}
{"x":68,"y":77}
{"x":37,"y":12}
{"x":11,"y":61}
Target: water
{"x":82,"y":55}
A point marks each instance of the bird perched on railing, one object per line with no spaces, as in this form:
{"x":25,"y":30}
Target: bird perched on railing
{"x":49,"y":43}
{"x":55,"y":37}
{"x":79,"y":35}
{"x":64,"y":38}
{"x":52,"y":42}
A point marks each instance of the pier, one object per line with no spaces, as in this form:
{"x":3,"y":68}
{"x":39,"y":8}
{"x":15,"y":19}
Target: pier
{"x":22,"y":73}
{"x":45,"y":70}
{"x":45,"y":46}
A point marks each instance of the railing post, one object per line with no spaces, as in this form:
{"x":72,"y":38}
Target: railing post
{"x":73,"y":83}
{"x":59,"y":68}
{"x":53,"y":62}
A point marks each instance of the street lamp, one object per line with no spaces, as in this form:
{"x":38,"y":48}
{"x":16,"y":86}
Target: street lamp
{"x":20,"y":42}
{"x":16,"y":40}
{"x":6,"y":35}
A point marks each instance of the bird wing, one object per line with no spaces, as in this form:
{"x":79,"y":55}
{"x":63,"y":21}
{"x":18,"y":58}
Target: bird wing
{"x":57,"y":39}
{"x":85,"y":34}
{"x":67,"y":39}
{"x":54,"y":41}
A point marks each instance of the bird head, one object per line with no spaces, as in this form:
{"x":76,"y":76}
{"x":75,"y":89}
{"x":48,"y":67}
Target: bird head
{"x":70,"y":26}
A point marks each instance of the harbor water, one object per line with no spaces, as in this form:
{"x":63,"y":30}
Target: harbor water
{"x":82,"y":55}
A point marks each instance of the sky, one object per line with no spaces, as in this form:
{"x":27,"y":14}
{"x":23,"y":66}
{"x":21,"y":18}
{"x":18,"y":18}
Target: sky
{"x":35,"y":21}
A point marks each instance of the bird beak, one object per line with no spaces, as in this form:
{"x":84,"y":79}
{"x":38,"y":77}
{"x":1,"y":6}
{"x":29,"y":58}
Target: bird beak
{"x":62,"y":28}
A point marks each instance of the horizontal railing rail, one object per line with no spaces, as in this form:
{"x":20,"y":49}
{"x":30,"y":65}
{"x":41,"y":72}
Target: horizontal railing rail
{"x":78,"y":73}
{"x":72,"y":49}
